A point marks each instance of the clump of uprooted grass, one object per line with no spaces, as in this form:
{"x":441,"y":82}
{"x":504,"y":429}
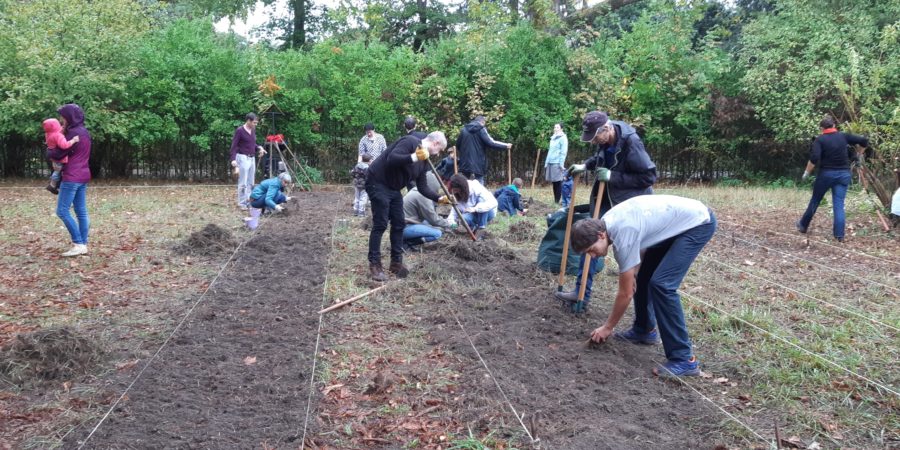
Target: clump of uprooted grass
{"x":48,"y":354}
{"x":209,"y":241}
{"x":523,"y":231}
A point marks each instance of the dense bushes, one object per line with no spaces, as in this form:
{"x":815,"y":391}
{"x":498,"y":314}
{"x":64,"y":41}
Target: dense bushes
{"x":703,"y":83}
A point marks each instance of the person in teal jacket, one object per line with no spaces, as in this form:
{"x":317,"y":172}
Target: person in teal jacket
{"x":509,"y":198}
{"x":270,"y":193}
{"x":554,"y":165}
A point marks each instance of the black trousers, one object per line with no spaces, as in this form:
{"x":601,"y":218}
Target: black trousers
{"x":557,"y":191}
{"x":387,"y":206}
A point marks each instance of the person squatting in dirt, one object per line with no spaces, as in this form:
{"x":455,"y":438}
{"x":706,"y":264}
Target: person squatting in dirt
{"x":404,"y":161}
{"x":359,"y":173}
{"x":269,"y":195}
{"x":509,"y":198}
{"x":621,"y":162}
{"x":243,"y":146}
{"x":423,"y":224}
{"x":475,"y":202}
{"x":656,"y":239}
{"x":55,"y":140}
{"x":832,"y":153}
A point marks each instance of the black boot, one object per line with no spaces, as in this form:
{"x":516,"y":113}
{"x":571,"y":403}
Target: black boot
{"x":376,"y":271}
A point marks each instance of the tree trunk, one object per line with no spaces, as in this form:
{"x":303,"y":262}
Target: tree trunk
{"x":422,"y":12}
{"x":514,"y":11}
{"x":298,"y":37}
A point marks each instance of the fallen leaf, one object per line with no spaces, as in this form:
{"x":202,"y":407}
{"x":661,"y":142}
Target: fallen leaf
{"x":720,"y":380}
{"x":749,"y":263}
{"x":250,"y":360}
{"x":792,"y":442}
{"x":126,"y":365}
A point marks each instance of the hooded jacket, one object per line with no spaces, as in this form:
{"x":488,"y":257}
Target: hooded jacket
{"x":509,"y":199}
{"x":470,"y":145}
{"x":77,"y":169}
{"x":632,"y":173}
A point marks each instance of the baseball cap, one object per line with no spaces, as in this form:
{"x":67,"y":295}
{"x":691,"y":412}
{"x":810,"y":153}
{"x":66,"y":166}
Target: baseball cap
{"x":592,"y":121}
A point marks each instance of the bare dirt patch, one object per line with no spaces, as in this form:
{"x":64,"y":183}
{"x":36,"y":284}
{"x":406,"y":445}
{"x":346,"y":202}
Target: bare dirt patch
{"x":237,"y":374}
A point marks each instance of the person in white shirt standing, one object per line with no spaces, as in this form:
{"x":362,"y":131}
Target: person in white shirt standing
{"x":656,"y":239}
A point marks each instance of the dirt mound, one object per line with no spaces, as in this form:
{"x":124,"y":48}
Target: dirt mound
{"x":48,"y":354}
{"x":211,"y":240}
{"x":481,"y":251}
{"x":523,"y":231}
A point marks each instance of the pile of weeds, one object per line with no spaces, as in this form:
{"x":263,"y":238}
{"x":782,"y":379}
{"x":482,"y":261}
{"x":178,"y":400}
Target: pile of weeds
{"x":55,"y":353}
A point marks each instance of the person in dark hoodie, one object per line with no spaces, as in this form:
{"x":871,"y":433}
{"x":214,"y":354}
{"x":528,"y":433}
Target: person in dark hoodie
{"x":470,"y":146}
{"x":621,"y":162}
{"x":403,"y":161}
{"x":832,"y":153}
{"x":73,"y":188}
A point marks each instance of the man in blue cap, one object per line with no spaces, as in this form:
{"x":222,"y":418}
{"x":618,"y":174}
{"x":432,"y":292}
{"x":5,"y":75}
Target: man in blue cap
{"x":621,"y":162}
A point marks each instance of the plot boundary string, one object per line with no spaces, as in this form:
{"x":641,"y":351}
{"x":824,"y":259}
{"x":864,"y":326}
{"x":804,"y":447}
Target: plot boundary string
{"x":166,"y":342}
{"x":838,"y":307}
{"x":782,"y":339}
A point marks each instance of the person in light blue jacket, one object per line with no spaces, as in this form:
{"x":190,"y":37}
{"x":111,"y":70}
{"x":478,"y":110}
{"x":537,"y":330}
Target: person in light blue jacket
{"x":554,"y":165}
{"x":270,"y":193}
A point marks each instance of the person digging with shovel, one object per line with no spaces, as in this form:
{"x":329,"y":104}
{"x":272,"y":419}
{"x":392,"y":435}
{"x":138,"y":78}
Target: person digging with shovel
{"x":404,"y":161}
{"x":621,"y":162}
{"x":656,"y":239}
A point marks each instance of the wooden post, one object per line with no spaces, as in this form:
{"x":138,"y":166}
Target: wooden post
{"x":565,"y":252}
{"x":509,"y":165}
{"x":537,"y":160}
{"x":587,"y":259}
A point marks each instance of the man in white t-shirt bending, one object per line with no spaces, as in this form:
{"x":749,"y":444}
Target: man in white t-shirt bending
{"x":656,"y":238}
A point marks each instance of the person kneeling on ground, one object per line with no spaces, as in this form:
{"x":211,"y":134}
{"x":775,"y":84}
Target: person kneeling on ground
{"x":656,"y":238}
{"x":270,"y":193}
{"x":423,"y":224}
{"x":509,"y":199}
{"x":477,"y":205}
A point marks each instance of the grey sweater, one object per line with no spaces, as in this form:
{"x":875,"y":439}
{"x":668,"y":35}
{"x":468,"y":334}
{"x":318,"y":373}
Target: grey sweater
{"x":417,"y":208}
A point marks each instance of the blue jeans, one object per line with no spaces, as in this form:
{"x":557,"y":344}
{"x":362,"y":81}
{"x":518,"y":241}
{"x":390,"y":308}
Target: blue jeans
{"x":427,"y":232}
{"x":479,"y":220}
{"x":260,"y":203}
{"x":74,"y":195}
{"x":656,"y":300}
{"x":838,"y":180}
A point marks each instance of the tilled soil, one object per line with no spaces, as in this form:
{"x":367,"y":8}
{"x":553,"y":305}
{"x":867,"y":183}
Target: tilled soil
{"x":572,"y":395}
{"x":237,"y":374}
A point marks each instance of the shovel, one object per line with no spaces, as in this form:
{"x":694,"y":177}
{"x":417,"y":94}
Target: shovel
{"x":587,"y":260}
{"x":565,"y":252}
{"x":452,"y":203}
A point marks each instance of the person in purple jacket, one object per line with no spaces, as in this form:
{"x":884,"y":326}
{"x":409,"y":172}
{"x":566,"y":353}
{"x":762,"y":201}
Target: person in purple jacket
{"x":243,"y":148}
{"x":73,"y":188}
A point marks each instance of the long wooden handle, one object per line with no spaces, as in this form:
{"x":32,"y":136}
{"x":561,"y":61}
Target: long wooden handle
{"x":352,"y":299}
{"x":565,"y":252}
{"x":455,"y":208}
{"x":537,"y":159}
{"x":587,"y":259}
{"x":508,"y":165}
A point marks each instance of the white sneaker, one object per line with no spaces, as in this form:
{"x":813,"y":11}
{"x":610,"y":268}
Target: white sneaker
{"x":77,"y":249}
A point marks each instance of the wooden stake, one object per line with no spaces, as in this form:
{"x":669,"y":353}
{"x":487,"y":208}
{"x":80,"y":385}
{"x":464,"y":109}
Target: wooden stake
{"x":537,"y":160}
{"x":587,"y":259}
{"x":455,"y":159}
{"x":565,"y":252}
{"x":352,"y":299}
{"x":509,"y":165}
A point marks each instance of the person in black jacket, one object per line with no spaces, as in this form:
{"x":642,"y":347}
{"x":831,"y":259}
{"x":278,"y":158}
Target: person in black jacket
{"x":470,"y":145}
{"x":832,"y":153}
{"x":620,"y":161}
{"x":402,"y":162}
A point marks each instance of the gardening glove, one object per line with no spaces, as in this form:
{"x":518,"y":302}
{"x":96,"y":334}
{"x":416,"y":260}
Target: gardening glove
{"x":234,"y":164}
{"x":575,"y":169}
{"x":279,"y":208}
{"x":444,"y":200}
{"x":420,"y":155}
{"x":453,"y":226}
{"x":805,"y":175}
{"x":603,"y":174}
{"x":287,"y":199}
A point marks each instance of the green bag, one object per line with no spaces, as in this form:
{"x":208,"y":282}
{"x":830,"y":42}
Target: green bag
{"x":550,"y":249}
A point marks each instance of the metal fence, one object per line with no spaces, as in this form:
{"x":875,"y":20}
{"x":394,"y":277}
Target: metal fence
{"x":336,"y":155}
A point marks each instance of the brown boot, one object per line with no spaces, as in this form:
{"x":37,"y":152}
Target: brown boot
{"x":377,"y":272}
{"x":397,"y":268}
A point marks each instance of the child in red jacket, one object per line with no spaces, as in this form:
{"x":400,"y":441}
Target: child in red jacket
{"x":55,"y":140}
